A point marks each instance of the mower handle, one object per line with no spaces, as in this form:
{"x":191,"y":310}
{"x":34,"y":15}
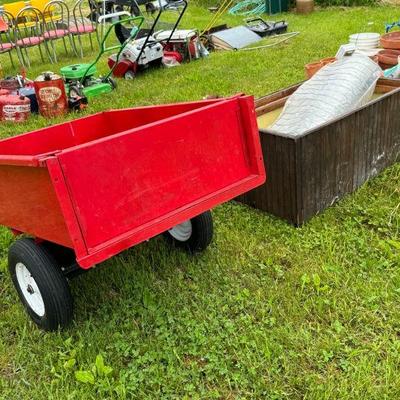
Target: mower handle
{"x":133,"y":34}
{"x":156,"y":19}
{"x":120,"y":47}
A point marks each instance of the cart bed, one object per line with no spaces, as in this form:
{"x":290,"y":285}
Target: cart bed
{"x":103,"y":183}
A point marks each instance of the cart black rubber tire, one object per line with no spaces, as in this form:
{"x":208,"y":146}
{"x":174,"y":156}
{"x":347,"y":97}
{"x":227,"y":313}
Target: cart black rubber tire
{"x":201,"y":237}
{"x":65,"y":259}
{"x":53,"y":286}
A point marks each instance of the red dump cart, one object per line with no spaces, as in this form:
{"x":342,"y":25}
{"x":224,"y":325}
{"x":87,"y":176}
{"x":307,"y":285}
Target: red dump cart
{"x":98,"y":185}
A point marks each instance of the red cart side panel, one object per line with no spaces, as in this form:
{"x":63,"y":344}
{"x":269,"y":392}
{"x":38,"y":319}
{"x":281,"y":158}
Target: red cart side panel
{"x":69,"y":134}
{"x":116,"y":121}
{"x":135,"y":185}
{"x":28,"y":204}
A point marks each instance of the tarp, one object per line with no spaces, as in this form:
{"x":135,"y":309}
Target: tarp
{"x":335,"y":89}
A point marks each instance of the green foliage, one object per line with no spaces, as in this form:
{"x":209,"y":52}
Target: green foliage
{"x":84,"y":377}
{"x":292,"y":3}
{"x":98,"y":375}
{"x":267,"y":312}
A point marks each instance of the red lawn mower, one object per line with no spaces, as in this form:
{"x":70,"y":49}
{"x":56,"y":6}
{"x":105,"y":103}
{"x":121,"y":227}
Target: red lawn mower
{"x":146,"y":49}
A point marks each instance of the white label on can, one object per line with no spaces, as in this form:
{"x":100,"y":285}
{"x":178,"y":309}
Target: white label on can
{"x":50,"y":94}
{"x":16,"y":108}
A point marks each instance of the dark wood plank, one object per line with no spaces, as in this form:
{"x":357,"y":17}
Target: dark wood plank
{"x":309,"y":173}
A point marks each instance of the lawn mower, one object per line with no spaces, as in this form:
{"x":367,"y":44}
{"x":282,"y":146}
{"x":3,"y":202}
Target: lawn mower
{"x":145,"y":51}
{"x":80,"y":79}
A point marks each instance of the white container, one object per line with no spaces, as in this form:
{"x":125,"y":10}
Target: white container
{"x":365,"y":40}
{"x":368,"y":52}
{"x":365,"y":36}
{"x":366,"y":43}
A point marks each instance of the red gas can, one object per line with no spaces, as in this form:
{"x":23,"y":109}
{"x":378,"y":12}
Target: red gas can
{"x":51,"y":96}
{"x":14,"y":108}
{"x":4,"y":92}
{"x":12,"y":83}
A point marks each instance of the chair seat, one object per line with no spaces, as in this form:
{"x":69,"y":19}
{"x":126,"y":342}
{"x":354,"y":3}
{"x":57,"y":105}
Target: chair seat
{"x":57,"y":33}
{"x":76,"y":30}
{"x":30,"y":41}
{"x":3,"y":26}
{"x":26,"y":24}
{"x":6,"y":46}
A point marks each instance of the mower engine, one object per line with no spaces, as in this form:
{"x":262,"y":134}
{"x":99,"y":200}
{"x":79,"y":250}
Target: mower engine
{"x":81,"y":82}
{"x":184,"y":41}
{"x":135,"y":57}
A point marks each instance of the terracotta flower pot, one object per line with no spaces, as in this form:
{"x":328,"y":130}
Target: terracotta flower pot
{"x":328,"y":60}
{"x":391,"y":40}
{"x":312,"y":68}
{"x":375,"y":59}
{"x":389,"y":57}
{"x":385,"y":66}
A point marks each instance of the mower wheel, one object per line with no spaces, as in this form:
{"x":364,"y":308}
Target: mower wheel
{"x":129,"y":75}
{"x":193,"y":235}
{"x":40,"y":284}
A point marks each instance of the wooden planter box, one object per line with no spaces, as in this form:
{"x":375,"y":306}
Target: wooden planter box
{"x":308,"y":173}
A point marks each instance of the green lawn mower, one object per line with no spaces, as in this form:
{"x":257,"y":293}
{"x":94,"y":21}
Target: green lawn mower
{"x":81,"y":80}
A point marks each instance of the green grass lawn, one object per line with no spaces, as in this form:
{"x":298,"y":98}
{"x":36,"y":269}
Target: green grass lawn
{"x":268,"y":311}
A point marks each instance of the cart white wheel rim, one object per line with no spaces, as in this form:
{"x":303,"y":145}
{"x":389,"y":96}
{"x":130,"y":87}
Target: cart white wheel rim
{"x":30,"y":289}
{"x":182,"y":232}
